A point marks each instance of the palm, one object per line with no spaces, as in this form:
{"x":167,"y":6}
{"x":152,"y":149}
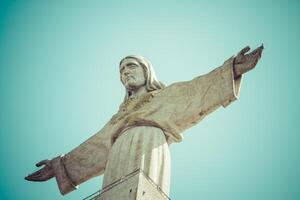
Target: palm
{"x":43,"y":174}
{"x":245,"y":62}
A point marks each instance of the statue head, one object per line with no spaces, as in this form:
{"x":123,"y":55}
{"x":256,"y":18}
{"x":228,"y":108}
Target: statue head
{"x":136,"y":72}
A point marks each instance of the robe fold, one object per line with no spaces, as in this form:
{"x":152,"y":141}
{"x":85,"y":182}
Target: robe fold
{"x":139,"y":134}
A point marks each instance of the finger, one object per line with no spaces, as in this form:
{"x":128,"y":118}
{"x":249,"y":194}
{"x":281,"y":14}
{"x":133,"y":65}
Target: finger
{"x":43,"y":162}
{"x":39,"y":177}
{"x":244,"y":50}
{"x":257,"y":52}
{"x":36,"y":177}
{"x":35,"y":173}
{"x":262,"y":46}
{"x":46,"y":175}
{"x":31,"y":178}
{"x":27,"y":178}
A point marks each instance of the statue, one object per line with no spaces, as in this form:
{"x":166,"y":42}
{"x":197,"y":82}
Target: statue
{"x":151,"y":118}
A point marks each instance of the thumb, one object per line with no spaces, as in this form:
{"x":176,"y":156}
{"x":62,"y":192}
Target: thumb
{"x":43,"y":162}
{"x":244,"y":50}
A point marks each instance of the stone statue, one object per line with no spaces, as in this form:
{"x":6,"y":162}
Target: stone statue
{"x":151,"y":118}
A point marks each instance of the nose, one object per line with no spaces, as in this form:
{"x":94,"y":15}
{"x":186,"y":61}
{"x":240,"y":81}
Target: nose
{"x":125,"y":72}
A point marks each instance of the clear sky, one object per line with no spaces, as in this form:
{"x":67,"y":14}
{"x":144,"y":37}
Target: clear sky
{"x":59,"y":83}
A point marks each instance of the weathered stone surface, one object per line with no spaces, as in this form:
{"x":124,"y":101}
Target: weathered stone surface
{"x":151,"y":118}
{"x":134,"y":186}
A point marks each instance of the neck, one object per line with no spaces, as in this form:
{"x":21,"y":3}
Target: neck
{"x":138,"y":92}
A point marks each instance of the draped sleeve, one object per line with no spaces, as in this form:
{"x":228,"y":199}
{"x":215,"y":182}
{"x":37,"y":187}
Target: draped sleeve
{"x":172,"y":109}
{"x":84,"y":162}
{"x":184,"y":104}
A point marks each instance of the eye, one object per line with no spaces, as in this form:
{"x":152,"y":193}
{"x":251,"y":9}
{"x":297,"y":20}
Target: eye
{"x":133,"y":66}
{"x":122,"y":69}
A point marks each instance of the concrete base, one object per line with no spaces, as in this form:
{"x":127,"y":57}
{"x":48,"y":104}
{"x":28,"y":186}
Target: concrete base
{"x":134,"y":186}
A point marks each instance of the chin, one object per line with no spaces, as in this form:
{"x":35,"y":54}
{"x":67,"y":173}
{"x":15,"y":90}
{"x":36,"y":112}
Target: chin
{"x":131,"y":85}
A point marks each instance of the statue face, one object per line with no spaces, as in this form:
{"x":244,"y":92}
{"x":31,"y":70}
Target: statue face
{"x":132,"y":74}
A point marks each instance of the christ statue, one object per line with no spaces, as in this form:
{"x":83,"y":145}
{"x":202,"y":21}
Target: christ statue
{"x":151,"y":118}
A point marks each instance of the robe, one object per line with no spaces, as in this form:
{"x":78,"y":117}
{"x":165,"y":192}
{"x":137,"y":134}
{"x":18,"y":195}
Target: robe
{"x":138,"y":136}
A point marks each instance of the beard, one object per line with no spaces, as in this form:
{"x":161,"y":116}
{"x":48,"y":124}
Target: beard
{"x":132,"y":83}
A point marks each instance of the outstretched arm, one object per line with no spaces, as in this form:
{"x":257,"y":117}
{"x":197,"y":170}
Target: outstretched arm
{"x":82,"y":163}
{"x":53,"y":168}
{"x":184,"y":104}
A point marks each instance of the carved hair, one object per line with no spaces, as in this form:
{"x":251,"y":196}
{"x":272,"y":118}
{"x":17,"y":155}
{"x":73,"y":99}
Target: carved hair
{"x":151,"y":81}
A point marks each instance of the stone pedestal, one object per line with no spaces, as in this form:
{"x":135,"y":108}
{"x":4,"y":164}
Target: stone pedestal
{"x":134,"y":186}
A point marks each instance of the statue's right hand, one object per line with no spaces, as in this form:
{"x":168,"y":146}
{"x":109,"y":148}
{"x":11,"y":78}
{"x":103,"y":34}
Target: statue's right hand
{"x":43,"y":174}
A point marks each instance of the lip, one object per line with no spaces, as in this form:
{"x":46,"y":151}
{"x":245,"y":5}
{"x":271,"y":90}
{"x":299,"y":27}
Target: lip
{"x":129,"y":77}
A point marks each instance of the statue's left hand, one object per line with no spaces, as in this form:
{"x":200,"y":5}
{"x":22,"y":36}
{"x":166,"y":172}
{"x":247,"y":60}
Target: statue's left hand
{"x":245,"y":62}
{"x":43,"y":174}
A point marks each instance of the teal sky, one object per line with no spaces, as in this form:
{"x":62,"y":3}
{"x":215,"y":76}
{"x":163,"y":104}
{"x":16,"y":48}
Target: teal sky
{"x":59,"y":83}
